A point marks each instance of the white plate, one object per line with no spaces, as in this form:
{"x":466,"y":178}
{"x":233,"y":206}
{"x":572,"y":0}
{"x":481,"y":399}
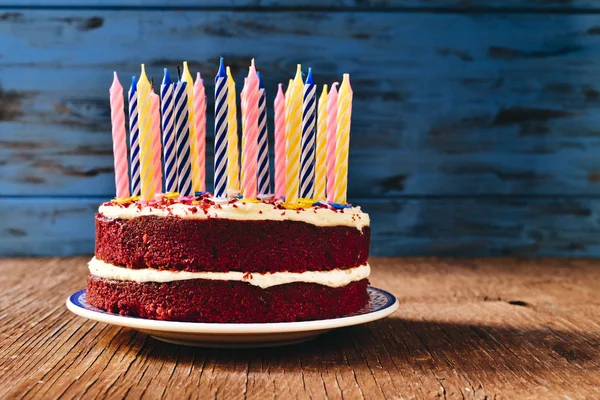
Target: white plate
{"x":381,"y":304}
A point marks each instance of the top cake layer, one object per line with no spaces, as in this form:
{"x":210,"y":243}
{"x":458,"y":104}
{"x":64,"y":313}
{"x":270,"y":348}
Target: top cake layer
{"x":240,"y":235}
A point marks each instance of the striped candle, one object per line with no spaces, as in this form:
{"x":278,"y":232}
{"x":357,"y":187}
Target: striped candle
{"x":200,"y":128}
{"x":168,"y":128}
{"x":250,"y":133}
{"x":221,"y":132}
{"x":119,"y":137}
{"x":156,"y":145}
{"x":343,"y":140}
{"x":264,"y":177}
{"x":145,"y":118}
{"x":134,"y":139}
{"x":307,"y":158}
{"x":288,"y":98}
{"x":186,"y":77}
{"x":293,"y":139}
{"x":332,"y":105}
{"x":233,"y":153}
{"x":243,"y":154}
{"x":321,"y":151}
{"x":182,"y":138}
{"x":280,"y":143}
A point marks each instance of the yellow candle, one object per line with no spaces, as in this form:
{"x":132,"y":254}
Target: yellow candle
{"x":342,"y":136}
{"x":288,"y":97}
{"x":233,"y":155}
{"x":186,"y":77}
{"x":321,"y":152}
{"x":294,"y":138}
{"x":145,"y":124}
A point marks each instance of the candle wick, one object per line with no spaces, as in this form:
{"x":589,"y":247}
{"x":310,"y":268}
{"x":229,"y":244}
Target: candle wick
{"x":152,"y":82}
{"x":179,"y":72}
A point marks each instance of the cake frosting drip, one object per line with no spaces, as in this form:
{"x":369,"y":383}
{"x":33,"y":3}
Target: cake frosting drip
{"x":238,"y":209}
{"x":332,"y":278}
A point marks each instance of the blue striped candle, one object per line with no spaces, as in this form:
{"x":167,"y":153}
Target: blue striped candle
{"x":264,"y":178}
{"x":168,"y":128}
{"x":182,"y":137}
{"x":221,"y":132}
{"x":134,"y":139}
{"x":307,"y":158}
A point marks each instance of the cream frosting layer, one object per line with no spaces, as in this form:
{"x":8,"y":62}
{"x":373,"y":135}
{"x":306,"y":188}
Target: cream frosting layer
{"x":333,"y":278}
{"x":243,"y":211}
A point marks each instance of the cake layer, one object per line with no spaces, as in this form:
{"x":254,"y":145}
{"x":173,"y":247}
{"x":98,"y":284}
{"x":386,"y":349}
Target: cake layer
{"x":333,"y":278}
{"x":202,"y":300}
{"x":222,"y":245}
{"x":238,"y":209}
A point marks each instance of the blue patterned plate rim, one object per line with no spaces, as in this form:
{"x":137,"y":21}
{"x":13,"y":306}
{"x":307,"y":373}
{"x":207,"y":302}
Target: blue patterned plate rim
{"x":381,"y":304}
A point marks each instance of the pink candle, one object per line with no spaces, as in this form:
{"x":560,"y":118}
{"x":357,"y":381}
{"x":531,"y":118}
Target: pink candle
{"x":243,"y":155}
{"x":251,"y":134}
{"x":200,"y":124}
{"x":332,"y":101}
{"x":280,"y":170}
{"x":119,"y":136}
{"x":156,"y":141}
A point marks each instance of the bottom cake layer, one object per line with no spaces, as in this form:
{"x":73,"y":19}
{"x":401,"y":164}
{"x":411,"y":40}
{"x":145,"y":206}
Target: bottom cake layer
{"x":200,"y":300}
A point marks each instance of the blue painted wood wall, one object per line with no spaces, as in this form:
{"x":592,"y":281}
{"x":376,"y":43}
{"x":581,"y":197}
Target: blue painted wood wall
{"x":476,"y":128}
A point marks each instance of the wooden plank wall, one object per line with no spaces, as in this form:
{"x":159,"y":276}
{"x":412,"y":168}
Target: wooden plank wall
{"x":476,"y":129}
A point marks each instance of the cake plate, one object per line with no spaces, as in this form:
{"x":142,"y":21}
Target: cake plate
{"x":381,"y":304}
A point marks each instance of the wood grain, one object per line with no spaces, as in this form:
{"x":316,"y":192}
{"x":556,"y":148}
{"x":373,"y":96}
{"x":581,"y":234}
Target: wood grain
{"x":485,"y":104}
{"x":482,"y":226}
{"x":470,"y":328}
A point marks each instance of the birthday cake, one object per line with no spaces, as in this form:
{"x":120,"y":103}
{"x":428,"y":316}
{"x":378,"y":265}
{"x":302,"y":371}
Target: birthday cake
{"x":188,"y":255}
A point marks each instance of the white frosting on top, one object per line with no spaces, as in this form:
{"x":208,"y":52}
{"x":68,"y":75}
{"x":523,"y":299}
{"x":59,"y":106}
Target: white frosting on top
{"x":243,"y":211}
{"x":333,"y":278}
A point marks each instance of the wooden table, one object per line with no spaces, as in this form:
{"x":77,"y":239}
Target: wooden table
{"x":485,"y":328}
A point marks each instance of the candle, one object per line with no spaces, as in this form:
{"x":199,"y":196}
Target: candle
{"x":200,"y":128}
{"x":221,"y":132}
{"x":134,"y":139}
{"x":321,"y":152}
{"x":332,"y":105}
{"x":264,"y":177}
{"x":243,"y":155}
{"x":288,"y":98}
{"x":119,"y":137}
{"x":250,"y":133}
{"x":156,"y":146}
{"x":343,"y":140}
{"x":182,"y":137}
{"x":307,"y":158}
{"x":280,"y":143}
{"x":233,"y":154}
{"x":168,"y":128}
{"x":294,"y":137}
{"x":186,"y":77}
{"x":243,"y":102}
{"x":145,"y":118}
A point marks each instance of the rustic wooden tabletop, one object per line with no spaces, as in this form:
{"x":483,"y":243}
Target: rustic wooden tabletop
{"x":477,"y":328}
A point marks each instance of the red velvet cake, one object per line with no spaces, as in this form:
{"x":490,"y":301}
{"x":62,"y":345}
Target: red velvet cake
{"x":241,"y":260}
{"x":218,"y":257}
